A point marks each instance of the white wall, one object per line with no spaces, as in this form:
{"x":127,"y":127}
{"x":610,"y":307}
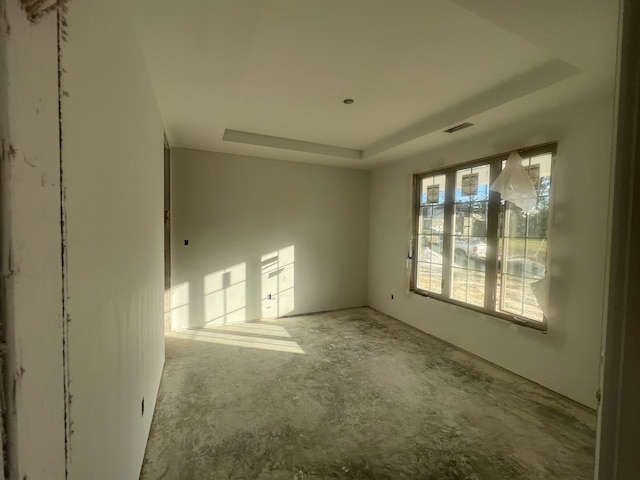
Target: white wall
{"x":236,"y":211}
{"x":566,"y":359}
{"x":112,"y":156}
{"x":31,"y":245}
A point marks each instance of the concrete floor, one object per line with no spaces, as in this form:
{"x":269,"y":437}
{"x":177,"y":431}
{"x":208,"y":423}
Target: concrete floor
{"x":354,"y":394}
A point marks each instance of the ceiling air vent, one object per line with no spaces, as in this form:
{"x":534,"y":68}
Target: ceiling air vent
{"x":459,"y":127}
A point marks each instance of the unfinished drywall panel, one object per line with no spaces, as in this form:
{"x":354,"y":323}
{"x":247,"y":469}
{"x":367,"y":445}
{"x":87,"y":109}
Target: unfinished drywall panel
{"x":31,"y":245}
{"x":258,"y":238}
{"x":566,"y":359}
{"x":112,"y":154}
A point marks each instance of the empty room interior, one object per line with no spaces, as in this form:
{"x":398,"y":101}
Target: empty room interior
{"x":281,"y":239}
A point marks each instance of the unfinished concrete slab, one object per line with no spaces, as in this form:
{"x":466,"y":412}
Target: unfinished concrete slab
{"x":354,"y":394}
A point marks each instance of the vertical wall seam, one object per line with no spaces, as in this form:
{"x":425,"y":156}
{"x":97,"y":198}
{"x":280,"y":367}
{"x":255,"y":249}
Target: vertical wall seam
{"x":61,"y":35}
{"x":5,"y":264}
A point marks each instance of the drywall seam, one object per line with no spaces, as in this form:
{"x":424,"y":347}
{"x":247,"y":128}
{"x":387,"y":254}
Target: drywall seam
{"x":61,"y":34}
{"x":34,"y":334}
{"x":6,"y":151}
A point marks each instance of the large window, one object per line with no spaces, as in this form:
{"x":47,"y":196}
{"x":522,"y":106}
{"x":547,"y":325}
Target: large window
{"x":476,"y":249}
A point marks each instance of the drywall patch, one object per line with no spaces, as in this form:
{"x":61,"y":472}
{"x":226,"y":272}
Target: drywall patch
{"x":37,"y":9}
{"x":7,"y":150}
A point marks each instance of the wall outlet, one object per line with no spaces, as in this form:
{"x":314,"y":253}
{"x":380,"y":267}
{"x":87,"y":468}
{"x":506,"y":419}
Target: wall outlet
{"x":392,"y":296}
{"x":143,"y":406}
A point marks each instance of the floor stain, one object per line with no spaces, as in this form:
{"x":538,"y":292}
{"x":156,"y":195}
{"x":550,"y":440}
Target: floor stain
{"x":370,"y":398}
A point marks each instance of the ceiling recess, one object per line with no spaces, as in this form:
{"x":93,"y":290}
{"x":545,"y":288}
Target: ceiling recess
{"x":459,"y":127}
{"x":249,"y":138}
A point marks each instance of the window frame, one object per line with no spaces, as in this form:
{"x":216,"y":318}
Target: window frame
{"x":494,"y":224}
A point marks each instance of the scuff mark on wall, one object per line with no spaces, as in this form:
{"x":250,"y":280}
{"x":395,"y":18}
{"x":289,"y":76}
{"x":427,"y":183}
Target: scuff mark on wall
{"x":32,"y":165}
{"x":10,"y":271}
{"x":17,"y":376}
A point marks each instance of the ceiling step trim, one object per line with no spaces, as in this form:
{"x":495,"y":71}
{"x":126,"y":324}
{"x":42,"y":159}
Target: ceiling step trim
{"x":239,"y":136}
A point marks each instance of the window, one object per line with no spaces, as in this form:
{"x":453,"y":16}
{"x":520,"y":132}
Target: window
{"x":475,"y":249}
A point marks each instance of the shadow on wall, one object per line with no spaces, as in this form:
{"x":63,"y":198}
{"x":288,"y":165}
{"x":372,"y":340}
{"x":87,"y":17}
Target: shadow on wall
{"x":225,"y":292}
{"x":225,"y":305}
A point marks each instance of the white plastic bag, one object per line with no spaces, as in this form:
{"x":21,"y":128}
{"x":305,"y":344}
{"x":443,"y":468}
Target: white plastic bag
{"x":540,"y":289}
{"x":514,"y":184}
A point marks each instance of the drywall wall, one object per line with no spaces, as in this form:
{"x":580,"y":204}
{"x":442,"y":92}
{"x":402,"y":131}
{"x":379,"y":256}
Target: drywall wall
{"x":259,"y":227}
{"x":566,"y":359}
{"x":31,"y":245}
{"x":112,"y":156}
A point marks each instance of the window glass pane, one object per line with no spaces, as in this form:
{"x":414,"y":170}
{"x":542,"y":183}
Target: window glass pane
{"x":536,"y":256}
{"x":469,"y":252}
{"x":423,"y":275}
{"x":530,"y":308}
{"x":516,"y":221}
{"x":522,"y":255}
{"x":429,"y":277}
{"x":475,"y":288}
{"x":478,"y":219}
{"x":430,"y":234}
{"x":544,"y":185}
{"x":469,"y":239}
{"x":470,"y":219}
{"x":432,"y":190}
{"x":459,"y":284}
{"x":472,"y":184}
{"x":468,"y":286}
{"x":538,"y":219}
{"x":435,"y":284}
{"x":514,"y":255}
{"x":429,"y":252}
{"x":462,"y":214}
{"x":512,"y":287}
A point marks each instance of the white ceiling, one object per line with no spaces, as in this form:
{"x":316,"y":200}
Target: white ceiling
{"x":273,"y":73}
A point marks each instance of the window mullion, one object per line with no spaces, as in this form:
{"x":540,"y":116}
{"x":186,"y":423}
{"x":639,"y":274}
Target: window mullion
{"x":447,"y":239}
{"x":413,"y":281}
{"x":493,"y":220}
